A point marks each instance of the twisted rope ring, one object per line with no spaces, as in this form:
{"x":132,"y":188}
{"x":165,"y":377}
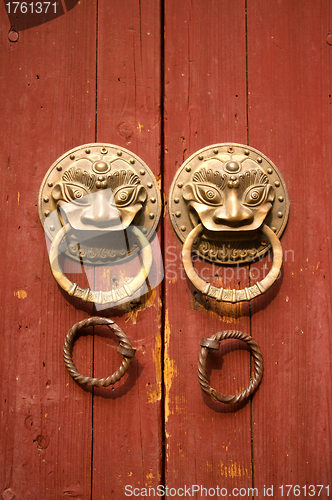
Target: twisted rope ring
{"x":125,"y":348}
{"x":255,"y":380}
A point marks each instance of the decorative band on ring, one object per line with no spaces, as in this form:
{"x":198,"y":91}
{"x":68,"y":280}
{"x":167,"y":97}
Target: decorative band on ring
{"x":225,"y":295}
{"x":255,"y":380}
{"x":98,"y":297}
{"x":125,"y":348}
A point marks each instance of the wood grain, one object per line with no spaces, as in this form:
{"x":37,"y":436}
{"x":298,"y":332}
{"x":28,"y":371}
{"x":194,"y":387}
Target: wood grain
{"x":127,"y":426}
{"x":289,"y":68}
{"x":207,"y":443}
{"x":46,"y":109}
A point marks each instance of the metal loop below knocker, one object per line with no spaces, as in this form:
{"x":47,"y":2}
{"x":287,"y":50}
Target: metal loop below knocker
{"x":229,"y":204}
{"x":102,"y":191}
{"x":125,"y":348}
{"x":213,"y":343}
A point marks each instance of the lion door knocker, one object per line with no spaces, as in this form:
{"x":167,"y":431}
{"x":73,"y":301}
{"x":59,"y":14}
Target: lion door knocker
{"x":100,"y":204}
{"x":229,"y":204}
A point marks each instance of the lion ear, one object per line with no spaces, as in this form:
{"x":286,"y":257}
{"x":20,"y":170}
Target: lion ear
{"x":141,"y":195}
{"x":57,"y":193}
{"x":188,"y":192}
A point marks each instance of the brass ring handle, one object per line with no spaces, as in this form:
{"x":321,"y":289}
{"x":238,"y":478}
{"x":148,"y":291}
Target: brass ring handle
{"x":99,"y":297}
{"x":214,"y":343}
{"x":125,"y":348}
{"x":222,"y":294}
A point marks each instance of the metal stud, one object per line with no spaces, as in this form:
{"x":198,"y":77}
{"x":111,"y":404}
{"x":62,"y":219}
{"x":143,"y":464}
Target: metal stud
{"x":132,"y":161}
{"x":259,"y":159}
{"x":72,"y":157}
{"x":50,"y":184}
{"x":142,"y":172}
{"x":151,"y":215}
{"x":277,"y":183}
{"x":280,"y":214}
{"x":188,"y":168}
{"x":269,"y":171}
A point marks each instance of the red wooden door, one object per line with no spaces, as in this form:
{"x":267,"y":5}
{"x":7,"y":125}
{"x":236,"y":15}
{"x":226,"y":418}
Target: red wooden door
{"x":165,"y":79}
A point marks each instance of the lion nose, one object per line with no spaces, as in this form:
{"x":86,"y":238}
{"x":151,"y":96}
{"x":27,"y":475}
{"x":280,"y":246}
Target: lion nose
{"x":101,"y":212}
{"x":233,"y":213}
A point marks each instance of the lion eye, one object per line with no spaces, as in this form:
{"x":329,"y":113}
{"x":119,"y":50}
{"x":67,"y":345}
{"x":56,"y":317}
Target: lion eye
{"x":76,"y":194}
{"x":208,"y":194}
{"x":255,"y":195}
{"x":125,"y":195}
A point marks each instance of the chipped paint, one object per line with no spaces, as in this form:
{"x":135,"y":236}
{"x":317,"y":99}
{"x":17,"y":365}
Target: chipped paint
{"x":148,"y":300}
{"x":155,"y":395}
{"x":21,"y":294}
{"x":18,"y":198}
{"x":225,"y":312}
{"x":159,"y":181}
{"x":233,"y":470}
{"x":170,"y":369}
{"x":209,"y":466}
{"x":139,"y":128}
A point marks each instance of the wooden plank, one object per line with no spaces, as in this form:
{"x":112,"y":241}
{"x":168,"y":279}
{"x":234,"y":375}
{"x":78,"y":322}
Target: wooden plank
{"x":48,"y":107}
{"x":207,"y":444}
{"x":127,"y":432}
{"x":289,"y":72}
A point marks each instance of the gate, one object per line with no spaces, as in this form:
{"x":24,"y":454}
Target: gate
{"x":165,"y":79}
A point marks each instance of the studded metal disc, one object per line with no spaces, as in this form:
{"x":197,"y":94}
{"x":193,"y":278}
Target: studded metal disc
{"x":93,"y":165}
{"x":223,"y":160}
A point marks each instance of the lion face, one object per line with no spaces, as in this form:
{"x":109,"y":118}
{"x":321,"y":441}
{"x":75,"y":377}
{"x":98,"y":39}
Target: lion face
{"x":232,"y":196}
{"x":99,"y":196}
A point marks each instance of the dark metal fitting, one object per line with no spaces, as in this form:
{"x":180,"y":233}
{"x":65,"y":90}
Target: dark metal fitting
{"x":127,"y":352}
{"x":210,"y":344}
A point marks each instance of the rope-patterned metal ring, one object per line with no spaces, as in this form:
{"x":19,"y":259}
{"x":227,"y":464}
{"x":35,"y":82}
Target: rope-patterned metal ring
{"x":125,"y":348}
{"x":214,"y":343}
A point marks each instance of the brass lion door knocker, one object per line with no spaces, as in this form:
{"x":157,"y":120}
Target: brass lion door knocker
{"x":100,"y":204}
{"x":229,"y":204}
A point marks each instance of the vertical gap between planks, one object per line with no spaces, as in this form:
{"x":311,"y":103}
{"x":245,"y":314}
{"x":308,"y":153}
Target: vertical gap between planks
{"x":94,"y":306}
{"x":250,"y":310}
{"x":163,"y":285}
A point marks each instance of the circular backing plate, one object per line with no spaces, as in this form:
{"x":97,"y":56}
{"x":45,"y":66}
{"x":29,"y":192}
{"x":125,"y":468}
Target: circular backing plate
{"x":102,"y":249}
{"x":218,"y":250}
